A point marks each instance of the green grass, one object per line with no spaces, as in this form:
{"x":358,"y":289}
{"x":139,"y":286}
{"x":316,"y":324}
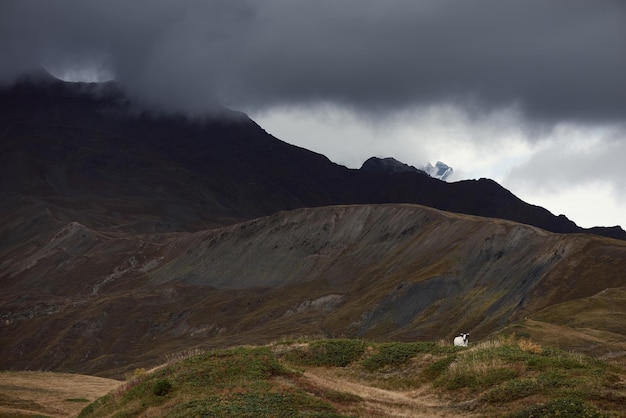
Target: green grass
{"x":477,"y":379}
{"x":512,"y":390}
{"x":397,"y":353}
{"x":562,"y":408}
{"x":330,"y":353}
{"x":221,"y":383}
{"x":563,"y":384}
{"x":437,"y":368}
{"x":255,"y":404}
{"x":498,"y":377}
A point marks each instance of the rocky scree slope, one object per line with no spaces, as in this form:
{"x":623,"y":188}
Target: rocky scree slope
{"x":83,"y":300}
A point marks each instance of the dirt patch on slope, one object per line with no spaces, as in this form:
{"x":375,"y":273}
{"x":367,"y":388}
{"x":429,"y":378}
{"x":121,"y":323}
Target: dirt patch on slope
{"x":377,"y":402}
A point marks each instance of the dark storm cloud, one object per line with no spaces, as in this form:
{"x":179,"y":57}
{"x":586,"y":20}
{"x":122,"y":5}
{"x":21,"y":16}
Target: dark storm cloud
{"x":555,"y":59}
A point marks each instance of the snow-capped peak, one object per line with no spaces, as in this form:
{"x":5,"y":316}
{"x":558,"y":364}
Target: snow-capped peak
{"x":439,"y":171}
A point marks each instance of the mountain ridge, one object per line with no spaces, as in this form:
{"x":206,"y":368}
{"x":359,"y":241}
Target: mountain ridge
{"x":378,"y":272}
{"x":73,"y":140}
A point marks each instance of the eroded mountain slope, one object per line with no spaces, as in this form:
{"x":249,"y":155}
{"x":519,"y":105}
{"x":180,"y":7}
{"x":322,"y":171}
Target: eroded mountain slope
{"x":80,"y":299}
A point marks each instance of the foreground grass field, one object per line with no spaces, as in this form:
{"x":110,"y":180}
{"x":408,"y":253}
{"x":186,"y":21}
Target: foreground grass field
{"x":332,"y":378}
{"x":506,"y":377}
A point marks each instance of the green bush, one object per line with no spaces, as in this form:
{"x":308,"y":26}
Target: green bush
{"x":161,"y":387}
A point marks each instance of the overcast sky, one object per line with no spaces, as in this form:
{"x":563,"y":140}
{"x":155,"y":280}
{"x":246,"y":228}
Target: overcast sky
{"x":530,"y":93}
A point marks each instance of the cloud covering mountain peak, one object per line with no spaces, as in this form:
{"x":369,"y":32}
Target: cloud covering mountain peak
{"x":508,"y":84}
{"x":556,"y":60}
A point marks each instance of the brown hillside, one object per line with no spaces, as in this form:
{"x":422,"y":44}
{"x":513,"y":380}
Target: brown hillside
{"x":101,"y":301}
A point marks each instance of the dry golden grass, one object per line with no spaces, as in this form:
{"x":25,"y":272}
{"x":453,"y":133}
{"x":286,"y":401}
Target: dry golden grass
{"x":593,"y":342}
{"x":502,"y":340}
{"x":472,"y":366}
{"x":49,"y":394}
{"x":172,"y":358}
{"x":529,"y":347}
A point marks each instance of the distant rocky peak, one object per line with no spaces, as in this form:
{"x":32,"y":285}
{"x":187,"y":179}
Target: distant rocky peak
{"x":439,"y":171}
{"x":388,"y":166}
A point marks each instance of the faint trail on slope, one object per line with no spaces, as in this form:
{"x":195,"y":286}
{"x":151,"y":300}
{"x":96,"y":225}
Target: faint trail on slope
{"x":386,"y":403}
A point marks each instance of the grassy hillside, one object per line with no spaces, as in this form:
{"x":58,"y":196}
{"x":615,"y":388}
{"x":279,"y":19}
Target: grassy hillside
{"x":344,"y":377}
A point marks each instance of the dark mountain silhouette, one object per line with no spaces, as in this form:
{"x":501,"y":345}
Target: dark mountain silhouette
{"x":388,"y":166}
{"x":87,"y":146}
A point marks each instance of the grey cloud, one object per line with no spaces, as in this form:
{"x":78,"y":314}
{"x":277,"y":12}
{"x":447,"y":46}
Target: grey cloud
{"x":560,"y":165}
{"x":555,"y":60}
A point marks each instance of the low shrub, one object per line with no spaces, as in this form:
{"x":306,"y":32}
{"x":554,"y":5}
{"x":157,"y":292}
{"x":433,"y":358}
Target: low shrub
{"x":475,"y":378}
{"x":255,"y":404}
{"x":554,"y":379}
{"x":434,"y":370}
{"x":512,"y":390}
{"x":161,"y":387}
{"x":570,"y":407}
